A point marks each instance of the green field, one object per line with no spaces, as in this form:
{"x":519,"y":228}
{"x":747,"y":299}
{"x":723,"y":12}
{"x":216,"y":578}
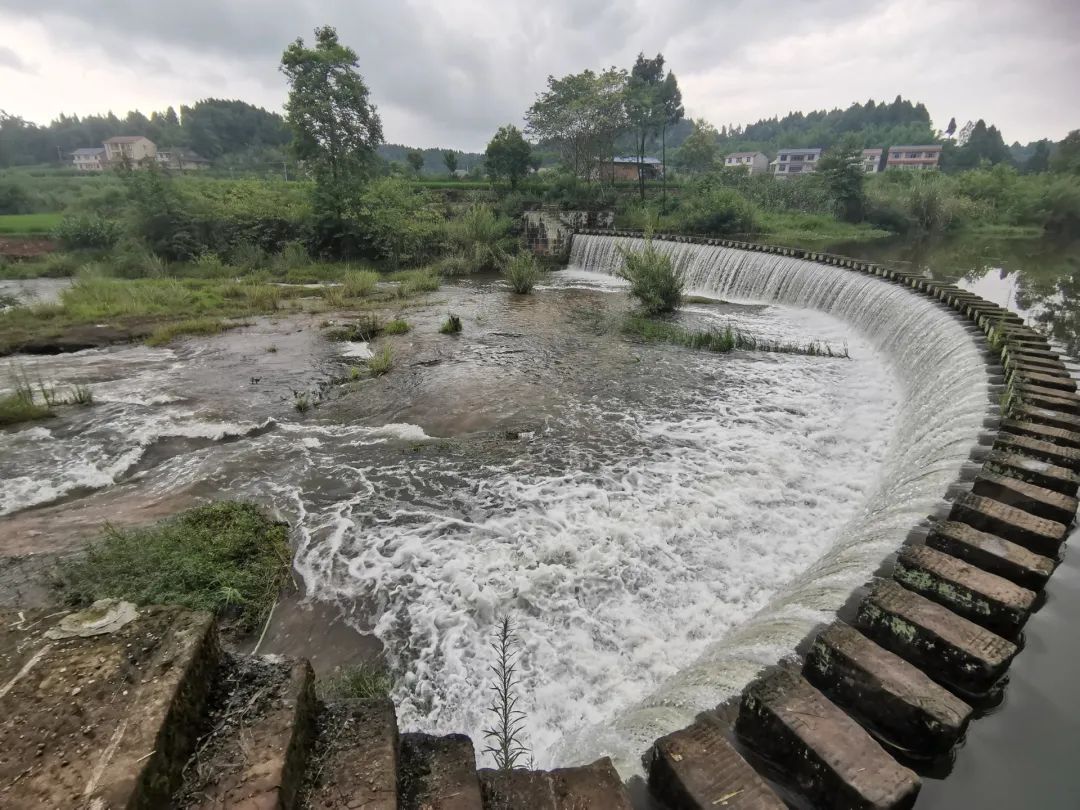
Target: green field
{"x":28,"y":224}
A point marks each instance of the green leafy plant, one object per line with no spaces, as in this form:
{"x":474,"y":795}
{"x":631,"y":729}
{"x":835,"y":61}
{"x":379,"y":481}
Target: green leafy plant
{"x":381,"y":362}
{"x":654,"y":280}
{"x":522,"y":272}
{"x":451,"y":326}
{"x":506,"y":735}
{"x":398,"y":326}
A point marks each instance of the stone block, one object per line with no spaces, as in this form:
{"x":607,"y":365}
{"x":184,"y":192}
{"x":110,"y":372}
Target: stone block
{"x":1035,"y":533}
{"x":991,"y":553}
{"x":1039,"y":501}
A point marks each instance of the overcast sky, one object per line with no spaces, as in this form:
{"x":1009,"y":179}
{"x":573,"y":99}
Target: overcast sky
{"x":448,"y":72}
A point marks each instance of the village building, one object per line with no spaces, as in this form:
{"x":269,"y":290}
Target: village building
{"x":91,"y":159}
{"x":795,"y":161}
{"x":626,"y":168}
{"x":752,"y":162}
{"x":181,"y":159}
{"x":871,"y":160}
{"x":130,"y":148}
{"x":914,"y":157}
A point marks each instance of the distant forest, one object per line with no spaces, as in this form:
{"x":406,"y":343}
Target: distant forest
{"x":235,"y":133}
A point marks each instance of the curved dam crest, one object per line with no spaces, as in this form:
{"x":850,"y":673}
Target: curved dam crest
{"x":944,"y":405}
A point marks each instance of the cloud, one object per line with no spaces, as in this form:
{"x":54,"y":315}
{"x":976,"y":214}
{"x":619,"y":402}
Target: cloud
{"x":10,"y":59}
{"x":449,"y":73}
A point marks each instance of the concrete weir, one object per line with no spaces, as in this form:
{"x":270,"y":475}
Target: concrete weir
{"x":110,"y":707}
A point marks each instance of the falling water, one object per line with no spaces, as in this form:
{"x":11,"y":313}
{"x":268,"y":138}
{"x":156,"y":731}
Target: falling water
{"x":945,"y":398}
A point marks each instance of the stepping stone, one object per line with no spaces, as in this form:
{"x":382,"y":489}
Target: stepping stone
{"x":1031,"y":354}
{"x":101,"y":712}
{"x":1044,"y":503}
{"x":1061,"y":382}
{"x":1049,"y":398}
{"x":1042,"y":450}
{"x":986,"y":599}
{"x":1022,"y":363}
{"x":950,"y":649}
{"x":256,"y":755}
{"x":357,"y":758}
{"x":439,"y":773}
{"x":1038,"y":534}
{"x":596,"y":787}
{"x":1044,"y":433}
{"x":1040,"y":473}
{"x":895,"y":700}
{"x":697,"y":769}
{"x":991,"y":553}
{"x":824,"y":754}
{"x":1046,"y":416}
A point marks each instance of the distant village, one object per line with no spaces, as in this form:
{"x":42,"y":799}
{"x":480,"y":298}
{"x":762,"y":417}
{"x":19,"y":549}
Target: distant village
{"x":135,"y":151}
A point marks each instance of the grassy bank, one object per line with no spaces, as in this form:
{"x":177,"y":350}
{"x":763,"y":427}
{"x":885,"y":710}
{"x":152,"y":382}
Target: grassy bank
{"x":718,"y":340}
{"x":28,"y":224}
{"x":227,"y":558}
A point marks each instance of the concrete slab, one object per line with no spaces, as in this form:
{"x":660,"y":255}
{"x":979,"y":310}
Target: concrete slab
{"x":824,"y":754}
{"x":696,"y":768}
{"x":895,"y":700}
{"x":1058,"y":455}
{"x":596,"y":787}
{"x":1044,"y":503}
{"x":1035,"y":533}
{"x":1047,"y":416}
{"x":356,"y":762}
{"x":1044,"y":433}
{"x":950,"y":649}
{"x":1041,"y":473}
{"x":986,"y":599}
{"x":439,"y":773}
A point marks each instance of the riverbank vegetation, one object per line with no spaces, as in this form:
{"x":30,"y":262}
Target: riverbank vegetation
{"x":228,"y":558}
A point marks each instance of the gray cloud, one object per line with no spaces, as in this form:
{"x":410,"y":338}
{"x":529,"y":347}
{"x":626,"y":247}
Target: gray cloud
{"x":449,"y":73}
{"x":10,"y":59}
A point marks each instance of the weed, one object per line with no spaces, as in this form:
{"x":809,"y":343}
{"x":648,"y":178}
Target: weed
{"x":720,"y":340}
{"x":19,"y":406}
{"x":411,"y":282}
{"x":359,"y":283}
{"x":366,"y":328}
{"x":292,"y":257}
{"x":522,"y":272}
{"x":507,"y":732}
{"x":654,"y":280}
{"x":397,"y":326}
{"x":271,"y":349}
{"x":381,"y":362}
{"x":192,"y":326}
{"x":451,"y":326}
{"x":354,"y":373}
{"x":360,"y":682}
{"x":81,"y":395}
{"x":301,"y":401}
{"x":226,"y":557}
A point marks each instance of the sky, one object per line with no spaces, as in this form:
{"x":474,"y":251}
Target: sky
{"x":448,"y":73}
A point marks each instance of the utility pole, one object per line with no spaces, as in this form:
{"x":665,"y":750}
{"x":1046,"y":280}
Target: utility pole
{"x":285,"y":170}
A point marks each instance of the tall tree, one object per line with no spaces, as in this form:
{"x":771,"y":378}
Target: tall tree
{"x":698,"y":152}
{"x":1040,"y":159}
{"x":335,"y":126}
{"x":508,"y":155}
{"x":949,"y":130}
{"x":842,"y":169}
{"x":449,"y":160}
{"x":1066,"y":157}
{"x":415,"y":159}
{"x":644,"y":107}
{"x":581,"y":115}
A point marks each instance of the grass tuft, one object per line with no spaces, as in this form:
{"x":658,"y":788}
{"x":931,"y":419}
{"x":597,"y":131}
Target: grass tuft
{"x":719,"y":340}
{"x":226,"y":557}
{"x":411,"y":282}
{"x":398,"y":326}
{"x":20,"y":406}
{"x":451,"y":326}
{"x":522,"y":272}
{"x":192,"y":326}
{"x":381,"y":362}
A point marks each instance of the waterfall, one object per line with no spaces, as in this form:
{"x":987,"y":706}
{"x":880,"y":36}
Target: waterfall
{"x":946,"y":392}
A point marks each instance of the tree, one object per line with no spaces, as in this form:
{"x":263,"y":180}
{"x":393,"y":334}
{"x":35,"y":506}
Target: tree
{"x":671,"y":99}
{"x":698,"y":152}
{"x":949,"y":130}
{"x":508,"y":155}
{"x":1040,"y":159}
{"x":415,"y":159}
{"x":653,"y":103}
{"x":581,"y":114}
{"x":335,"y":126}
{"x":1066,"y":157}
{"x":449,"y":160}
{"x":842,"y":169}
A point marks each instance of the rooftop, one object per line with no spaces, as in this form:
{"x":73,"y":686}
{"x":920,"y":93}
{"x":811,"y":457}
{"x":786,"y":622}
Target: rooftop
{"x":744,"y":154}
{"x":90,"y":150}
{"x":631,"y":159}
{"x":813,"y":150}
{"x":126,"y":139}
{"x":925,"y":148}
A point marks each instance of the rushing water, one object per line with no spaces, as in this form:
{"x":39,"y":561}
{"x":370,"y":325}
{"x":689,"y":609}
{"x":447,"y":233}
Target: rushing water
{"x":658,"y":522}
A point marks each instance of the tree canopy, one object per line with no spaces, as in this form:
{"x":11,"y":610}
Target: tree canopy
{"x":508,"y":155}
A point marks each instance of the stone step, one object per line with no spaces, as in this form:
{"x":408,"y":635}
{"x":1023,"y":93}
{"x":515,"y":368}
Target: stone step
{"x":261,"y":730}
{"x":1039,"y":501}
{"x":1060,"y":382}
{"x":950,"y":649}
{"x":1033,"y":353}
{"x":439,"y":773}
{"x":821,"y":752}
{"x":1035,"y":533}
{"x":1040,"y":365}
{"x":1049,"y":398}
{"x":988,"y":600}
{"x":1045,"y":433}
{"x":1047,"y":416}
{"x":596,"y":787}
{"x":991,"y":553}
{"x":355,"y":762}
{"x":893,"y":699}
{"x":1040,"y":473}
{"x":1049,"y":452}
{"x":101,"y":708}
{"x":697,"y":769}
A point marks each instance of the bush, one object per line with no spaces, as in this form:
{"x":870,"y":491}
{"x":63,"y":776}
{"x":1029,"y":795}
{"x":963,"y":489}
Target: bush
{"x":480,"y":236}
{"x":1059,"y":207}
{"x":522,"y":272}
{"x":20,"y":406}
{"x":716,"y":211}
{"x":87,"y":231}
{"x":226,"y":557}
{"x":454,"y":264}
{"x":411,"y":282}
{"x":397,"y":326}
{"x":358,"y":283}
{"x":654,"y":280}
{"x":451,"y":326}
{"x":400,"y":225}
{"x":381,"y":362}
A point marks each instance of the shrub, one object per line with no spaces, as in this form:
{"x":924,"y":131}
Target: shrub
{"x":358,"y":283}
{"x":381,"y":362}
{"x":480,"y":236}
{"x":19,"y":406}
{"x":714,"y":210}
{"x":400,"y":224}
{"x":522,"y":272}
{"x":396,"y":327}
{"x":226,"y":557}
{"x":411,"y":282}
{"x":654,"y":280}
{"x":292,"y":257}
{"x":451,"y":326}
{"x":361,"y":682}
{"x":454,"y":264}
{"x":248,"y":256}
{"x":86,"y":231}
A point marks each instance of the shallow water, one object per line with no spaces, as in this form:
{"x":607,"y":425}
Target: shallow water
{"x":626,"y":504}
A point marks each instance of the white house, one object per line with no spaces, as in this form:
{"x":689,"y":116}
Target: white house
{"x":132,"y":148}
{"x":89,"y":160}
{"x":181,"y":159}
{"x":795,"y":161}
{"x":871,"y":160}
{"x":753,"y":162}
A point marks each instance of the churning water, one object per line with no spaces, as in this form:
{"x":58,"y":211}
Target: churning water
{"x":659,"y":523}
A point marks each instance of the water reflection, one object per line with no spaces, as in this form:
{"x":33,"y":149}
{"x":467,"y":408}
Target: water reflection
{"x":1037,"y":278}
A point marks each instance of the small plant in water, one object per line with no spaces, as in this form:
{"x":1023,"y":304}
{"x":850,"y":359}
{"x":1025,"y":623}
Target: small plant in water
{"x":451,"y":326}
{"x":654,"y":280}
{"x":381,"y":362}
{"x":522,"y":272}
{"x":396,"y":327}
{"x":506,"y":737}
{"x":301,"y":401}
{"x":354,"y":372}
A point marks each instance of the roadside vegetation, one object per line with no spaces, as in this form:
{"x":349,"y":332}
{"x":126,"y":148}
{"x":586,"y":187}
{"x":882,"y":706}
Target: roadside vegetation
{"x":227,"y":557}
